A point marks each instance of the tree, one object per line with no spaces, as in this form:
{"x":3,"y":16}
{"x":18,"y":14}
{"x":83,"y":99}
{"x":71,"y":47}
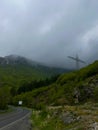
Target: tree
{"x":4,"y":98}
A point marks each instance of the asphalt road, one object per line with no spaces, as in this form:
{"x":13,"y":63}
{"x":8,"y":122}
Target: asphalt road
{"x":17,"y":120}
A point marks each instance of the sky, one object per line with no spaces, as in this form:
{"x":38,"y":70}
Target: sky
{"x":48,"y":31}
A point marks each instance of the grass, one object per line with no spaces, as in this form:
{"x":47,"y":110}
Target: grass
{"x":44,"y":120}
{"x":47,"y":120}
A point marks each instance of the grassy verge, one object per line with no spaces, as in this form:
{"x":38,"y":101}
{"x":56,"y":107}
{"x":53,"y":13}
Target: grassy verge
{"x":50,"y":119}
{"x":43,"y":120}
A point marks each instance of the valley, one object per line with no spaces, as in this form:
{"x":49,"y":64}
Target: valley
{"x":66,"y":101}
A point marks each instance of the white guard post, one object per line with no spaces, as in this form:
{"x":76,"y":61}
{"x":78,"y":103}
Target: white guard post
{"x":20,"y":103}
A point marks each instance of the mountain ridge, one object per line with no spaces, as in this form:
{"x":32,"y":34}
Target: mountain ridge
{"x":17,"y":59}
{"x":15,"y":69}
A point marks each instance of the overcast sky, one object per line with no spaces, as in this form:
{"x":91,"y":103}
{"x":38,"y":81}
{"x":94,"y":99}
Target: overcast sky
{"x":50,"y":30}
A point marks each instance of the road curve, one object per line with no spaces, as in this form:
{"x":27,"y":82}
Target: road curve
{"x":17,"y":120}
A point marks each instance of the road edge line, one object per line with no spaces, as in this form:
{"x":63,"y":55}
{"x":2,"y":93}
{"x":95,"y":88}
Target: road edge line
{"x":15,"y":121}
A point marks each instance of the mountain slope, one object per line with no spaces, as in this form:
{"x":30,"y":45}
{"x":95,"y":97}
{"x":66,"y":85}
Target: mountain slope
{"x":16,"y":69}
{"x":71,"y":88}
{"x":70,"y":103}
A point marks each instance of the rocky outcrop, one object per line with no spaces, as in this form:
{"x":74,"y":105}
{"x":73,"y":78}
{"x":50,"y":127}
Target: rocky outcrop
{"x":85,"y":91}
{"x":69,"y":117}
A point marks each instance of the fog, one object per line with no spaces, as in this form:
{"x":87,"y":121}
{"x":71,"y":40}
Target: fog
{"x":50,"y":31}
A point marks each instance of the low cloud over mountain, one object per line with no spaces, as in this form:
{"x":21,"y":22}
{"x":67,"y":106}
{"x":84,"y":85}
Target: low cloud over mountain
{"x":49,"y":31}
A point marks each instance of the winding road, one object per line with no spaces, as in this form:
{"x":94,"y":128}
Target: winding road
{"x":17,"y":120}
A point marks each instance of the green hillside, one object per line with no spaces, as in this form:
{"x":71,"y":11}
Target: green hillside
{"x":17,"y":72}
{"x":70,"y":102}
{"x":14,"y":75}
{"x":66,"y":89}
{"x":66,"y":102}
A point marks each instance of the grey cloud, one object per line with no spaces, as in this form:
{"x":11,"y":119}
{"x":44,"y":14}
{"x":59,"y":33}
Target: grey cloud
{"x":49,"y":31}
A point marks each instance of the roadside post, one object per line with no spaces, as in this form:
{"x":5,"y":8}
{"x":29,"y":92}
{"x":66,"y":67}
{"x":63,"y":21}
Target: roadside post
{"x":20,"y":103}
